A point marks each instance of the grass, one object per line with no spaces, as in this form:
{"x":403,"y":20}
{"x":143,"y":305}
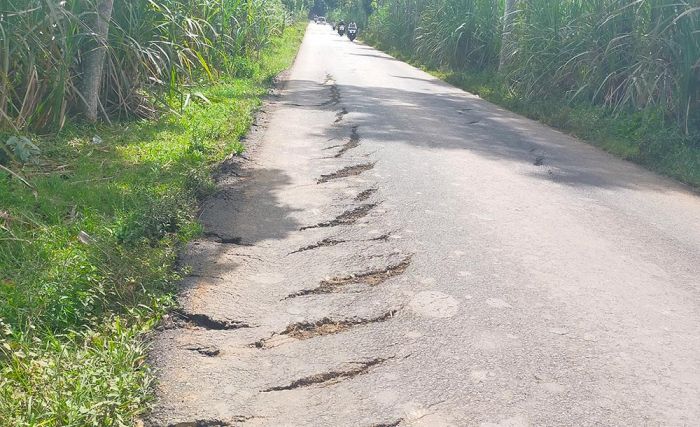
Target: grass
{"x":87,"y":255}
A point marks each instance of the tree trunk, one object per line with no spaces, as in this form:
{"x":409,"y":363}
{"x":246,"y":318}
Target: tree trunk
{"x":507,"y":41}
{"x":94,"y":58}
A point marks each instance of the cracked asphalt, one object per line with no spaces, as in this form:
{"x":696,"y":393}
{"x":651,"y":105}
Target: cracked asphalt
{"x":393,"y":251}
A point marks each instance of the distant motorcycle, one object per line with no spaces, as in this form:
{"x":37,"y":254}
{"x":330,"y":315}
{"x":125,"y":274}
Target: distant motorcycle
{"x":341,"y":29}
{"x":352,"y":31}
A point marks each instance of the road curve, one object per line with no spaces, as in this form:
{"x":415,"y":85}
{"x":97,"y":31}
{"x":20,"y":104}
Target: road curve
{"x":396,"y":251}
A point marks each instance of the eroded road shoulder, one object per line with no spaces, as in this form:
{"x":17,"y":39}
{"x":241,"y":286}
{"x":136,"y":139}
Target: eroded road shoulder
{"x":296,"y":283}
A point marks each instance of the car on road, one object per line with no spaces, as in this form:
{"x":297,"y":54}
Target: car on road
{"x":321,"y":20}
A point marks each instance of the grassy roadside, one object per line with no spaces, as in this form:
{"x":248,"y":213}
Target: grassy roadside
{"x":642,"y":137}
{"x":86,"y":256}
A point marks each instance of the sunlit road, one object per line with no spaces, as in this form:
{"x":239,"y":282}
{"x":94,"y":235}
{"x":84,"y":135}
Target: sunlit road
{"x":399,"y":252}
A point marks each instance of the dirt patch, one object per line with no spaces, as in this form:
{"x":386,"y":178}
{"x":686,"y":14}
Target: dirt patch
{"x":353,"y":142}
{"x":370,"y":278}
{"x":347,"y":217}
{"x":330,"y":377}
{"x":345,"y":172}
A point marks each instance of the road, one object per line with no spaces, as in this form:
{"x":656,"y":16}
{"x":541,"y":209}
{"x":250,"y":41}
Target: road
{"x":395,"y":251}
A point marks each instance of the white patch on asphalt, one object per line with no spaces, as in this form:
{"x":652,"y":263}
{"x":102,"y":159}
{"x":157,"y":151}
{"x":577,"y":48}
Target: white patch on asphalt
{"x":267,"y":278}
{"x":497,"y":303}
{"x":508,"y":422}
{"x":434,"y":304}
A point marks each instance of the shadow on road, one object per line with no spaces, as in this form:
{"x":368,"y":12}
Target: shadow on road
{"x":437,"y":117}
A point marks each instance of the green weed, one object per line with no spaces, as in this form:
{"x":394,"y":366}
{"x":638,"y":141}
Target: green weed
{"x":87,"y":253}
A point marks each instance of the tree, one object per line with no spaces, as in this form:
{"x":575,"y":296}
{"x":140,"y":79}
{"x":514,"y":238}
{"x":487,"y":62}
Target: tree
{"x":94,"y":57}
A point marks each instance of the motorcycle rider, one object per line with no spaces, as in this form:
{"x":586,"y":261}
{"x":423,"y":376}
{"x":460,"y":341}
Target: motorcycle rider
{"x":340,"y":26}
{"x":352,"y":30}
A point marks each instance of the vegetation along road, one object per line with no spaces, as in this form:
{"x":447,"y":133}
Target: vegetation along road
{"x":215,"y":212}
{"x":399,"y":252}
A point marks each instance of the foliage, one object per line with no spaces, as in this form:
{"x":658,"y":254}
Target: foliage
{"x":87,"y":253}
{"x":154,"y":46}
{"x":627,"y":55}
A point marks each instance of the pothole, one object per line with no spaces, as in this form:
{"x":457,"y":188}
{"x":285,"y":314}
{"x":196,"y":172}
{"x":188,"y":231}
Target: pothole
{"x":347,"y":217}
{"x":181,"y":319}
{"x":345,"y":172}
{"x":364,"y":195}
{"x":201,"y":423}
{"x":331,"y":377}
{"x":325,"y":326}
{"x":353,"y":142}
{"x":213,"y":422}
{"x":370,"y":278}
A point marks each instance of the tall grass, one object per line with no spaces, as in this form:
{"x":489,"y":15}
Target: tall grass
{"x":153,"y":45}
{"x":629,"y":55}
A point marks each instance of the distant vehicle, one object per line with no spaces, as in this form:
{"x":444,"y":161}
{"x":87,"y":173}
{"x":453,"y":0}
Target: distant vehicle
{"x":341,"y":28}
{"x":352,"y":31}
{"x":321,"y":20}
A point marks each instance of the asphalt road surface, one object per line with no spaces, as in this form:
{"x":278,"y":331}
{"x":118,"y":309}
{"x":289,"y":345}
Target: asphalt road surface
{"x":394,"y":251}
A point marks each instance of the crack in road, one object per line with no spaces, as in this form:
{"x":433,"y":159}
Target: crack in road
{"x":183,"y":319}
{"x":346,"y":218}
{"x":389,"y":424}
{"x":205,"y":350}
{"x":345,"y":172}
{"x":340,"y":114}
{"x":364,"y":195}
{"x":329,"y":377}
{"x":327,"y":242}
{"x":212,"y":422}
{"x":370,"y":278}
{"x":353,"y":142}
{"x":326,"y":326}
{"x":225,"y":240}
